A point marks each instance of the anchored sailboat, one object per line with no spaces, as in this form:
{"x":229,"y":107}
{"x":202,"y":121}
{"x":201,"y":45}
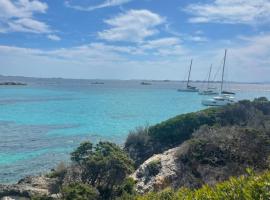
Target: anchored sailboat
{"x":189,"y":88}
{"x":209,"y":90}
{"x":224,"y":98}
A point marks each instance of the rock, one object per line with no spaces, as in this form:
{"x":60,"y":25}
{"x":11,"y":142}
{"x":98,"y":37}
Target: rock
{"x":214,"y":154}
{"x":166,"y":175}
{"x":30,"y":186}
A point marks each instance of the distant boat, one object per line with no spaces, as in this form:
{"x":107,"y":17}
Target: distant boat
{"x":209,"y":90}
{"x":224,"y":98}
{"x":97,"y":83}
{"x":189,"y":88}
{"x":146,"y":83}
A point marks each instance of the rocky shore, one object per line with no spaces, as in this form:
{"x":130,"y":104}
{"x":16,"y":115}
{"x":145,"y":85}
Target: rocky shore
{"x":28,"y":187}
{"x":232,"y":141}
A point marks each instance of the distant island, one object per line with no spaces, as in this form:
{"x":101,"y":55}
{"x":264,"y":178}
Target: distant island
{"x":13,"y":83}
{"x":213,"y":154}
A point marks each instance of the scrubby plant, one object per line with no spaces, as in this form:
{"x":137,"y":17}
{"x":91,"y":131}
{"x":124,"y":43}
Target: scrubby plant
{"x":104,"y":166}
{"x":143,"y":143}
{"x":41,"y":198}
{"x":82,"y":152}
{"x":79,"y":191}
{"x":154,"y":167}
{"x":59,"y":171}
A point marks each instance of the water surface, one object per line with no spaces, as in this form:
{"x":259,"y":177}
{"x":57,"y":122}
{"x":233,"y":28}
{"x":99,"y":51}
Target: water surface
{"x":41,"y":123}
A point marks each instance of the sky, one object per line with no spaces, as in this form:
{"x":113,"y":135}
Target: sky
{"x":135,"y":39}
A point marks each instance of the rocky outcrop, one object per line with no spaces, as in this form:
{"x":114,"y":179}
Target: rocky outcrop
{"x":30,"y":186}
{"x":165,"y":176}
{"x":212,"y":155}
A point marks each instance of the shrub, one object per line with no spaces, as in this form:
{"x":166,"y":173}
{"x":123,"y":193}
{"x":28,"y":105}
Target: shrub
{"x":104,"y":166}
{"x":82,"y":152}
{"x":78,"y":191}
{"x":154,"y":167}
{"x":41,"y":198}
{"x":143,"y":143}
{"x":126,"y":190}
{"x":59,"y":171}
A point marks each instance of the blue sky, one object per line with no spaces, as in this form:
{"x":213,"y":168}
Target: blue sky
{"x":134,"y":39}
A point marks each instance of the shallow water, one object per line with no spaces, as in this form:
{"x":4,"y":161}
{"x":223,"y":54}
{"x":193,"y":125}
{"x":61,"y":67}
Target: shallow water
{"x":41,"y":123}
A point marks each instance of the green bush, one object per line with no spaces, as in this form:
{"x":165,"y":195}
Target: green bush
{"x":78,"y":191}
{"x":59,"y":171}
{"x":143,"y":143}
{"x":104,"y":166}
{"x":41,"y":198}
{"x":82,"y":152}
{"x":154,"y":167}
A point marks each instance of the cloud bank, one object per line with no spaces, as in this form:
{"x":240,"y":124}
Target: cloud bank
{"x":19,"y":16}
{"x":230,"y":11}
{"x":132,"y":26}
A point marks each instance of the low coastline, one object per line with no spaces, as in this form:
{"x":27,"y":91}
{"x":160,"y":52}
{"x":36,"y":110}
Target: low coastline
{"x":11,"y":83}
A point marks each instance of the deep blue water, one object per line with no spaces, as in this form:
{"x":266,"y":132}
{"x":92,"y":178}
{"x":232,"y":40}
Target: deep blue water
{"x":40,"y":124}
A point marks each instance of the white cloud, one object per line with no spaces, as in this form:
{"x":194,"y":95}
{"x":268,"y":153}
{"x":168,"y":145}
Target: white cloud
{"x":95,"y":60}
{"x":230,"y":11}
{"x":163,"y":58}
{"x":254,"y":53}
{"x":162,"y":42}
{"x":132,"y":26}
{"x":18,"y":16}
{"x":197,"y":38}
{"x":54,"y":37}
{"x":170,"y":46}
{"x":107,"y":3}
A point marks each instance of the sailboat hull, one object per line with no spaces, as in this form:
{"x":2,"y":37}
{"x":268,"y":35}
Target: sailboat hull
{"x":208,"y":92}
{"x":220,"y":100}
{"x":188,"y":90}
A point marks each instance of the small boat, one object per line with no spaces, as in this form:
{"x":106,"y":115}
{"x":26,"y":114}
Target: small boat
{"x":220,"y":100}
{"x":189,"y":88}
{"x":224,"y":98}
{"x":209,"y":90}
{"x":227,"y":92}
{"x":145,"y":83}
{"x":97,"y":83}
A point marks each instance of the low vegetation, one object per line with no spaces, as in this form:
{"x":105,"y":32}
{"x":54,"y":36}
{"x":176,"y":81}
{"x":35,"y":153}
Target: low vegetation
{"x":145,"y":142}
{"x":154,"y":167}
{"x":98,"y":172}
{"x":246,"y":187}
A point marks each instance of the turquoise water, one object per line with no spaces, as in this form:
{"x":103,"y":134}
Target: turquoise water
{"x":40,"y":124}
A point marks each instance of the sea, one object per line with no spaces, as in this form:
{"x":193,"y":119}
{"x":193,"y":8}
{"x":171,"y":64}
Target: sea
{"x":41,"y":123}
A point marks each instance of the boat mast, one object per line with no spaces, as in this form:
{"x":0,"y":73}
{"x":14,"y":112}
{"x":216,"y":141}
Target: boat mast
{"x":224,"y":63}
{"x":189,"y":73}
{"x":209,"y":76}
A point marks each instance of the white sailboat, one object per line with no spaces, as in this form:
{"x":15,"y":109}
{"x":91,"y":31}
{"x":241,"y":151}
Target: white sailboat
{"x":209,"y":90}
{"x":224,"y":98}
{"x":189,"y":88}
